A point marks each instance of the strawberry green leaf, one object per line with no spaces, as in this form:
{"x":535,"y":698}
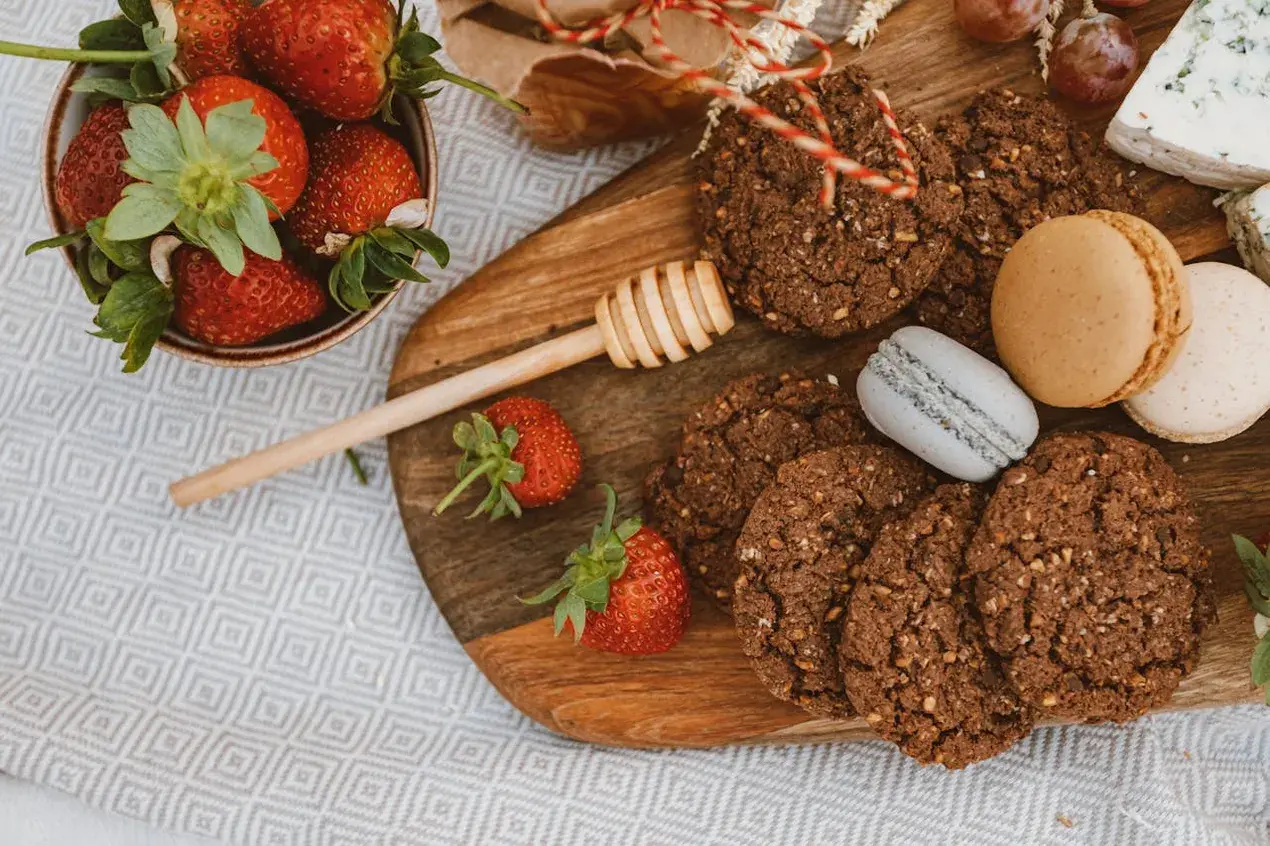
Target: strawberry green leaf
{"x":485,"y":429}
{"x":550,"y":592}
{"x":397,"y":243}
{"x":1256,"y":600}
{"x":629,"y":527}
{"x":99,"y":268}
{"x":162,"y":53}
{"x":594,"y":591}
{"x":1256,"y":567}
{"x":491,"y":505}
{"x":577,"y":615}
{"x":429,"y":242}
{"x":507,"y":503}
{"x":141,"y":341}
{"x":56,"y":242}
{"x":224,"y":244}
{"x":465,"y":436}
{"x":257,"y":165}
{"x":391,"y":265}
{"x":251,"y":219}
{"x":559,"y":617}
{"x":1261,"y":661}
{"x":113,"y":34}
{"x":128,"y":255}
{"x":356,"y":267}
{"x":140,"y":12}
{"x":108,"y":87}
{"x":347,"y":281}
{"x":375,"y":285}
{"x":187,"y":224}
{"x":145,"y":81}
{"x":94,"y":292}
{"x":145,"y":210}
{"x":415,"y":47}
{"x":134,"y":313}
{"x":153,"y":143}
{"x":591,"y":570}
{"x":235,"y":131}
{"x":414,"y":66}
{"x":488,"y":455}
{"x":194,"y":140}
{"x":269,"y":204}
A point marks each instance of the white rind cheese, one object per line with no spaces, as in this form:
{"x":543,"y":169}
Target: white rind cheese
{"x":1201,"y":109}
{"x":1248,"y":219}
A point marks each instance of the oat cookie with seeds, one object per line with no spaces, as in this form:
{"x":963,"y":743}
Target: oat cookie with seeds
{"x":1091,"y":579}
{"x":804,"y":269}
{"x":801,"y":551}
{"x":728,"y":453}
{"x":914,"y":658}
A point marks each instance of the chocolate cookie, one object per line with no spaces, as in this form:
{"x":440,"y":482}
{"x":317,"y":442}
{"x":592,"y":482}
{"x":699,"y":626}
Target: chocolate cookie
{"x":800,"y":267}
{"x":729,"y":452}
{"x":800,"y":552}
{"x":1091,"y":579}
{"x":914,"y":658}
{"x":1020,"y":161}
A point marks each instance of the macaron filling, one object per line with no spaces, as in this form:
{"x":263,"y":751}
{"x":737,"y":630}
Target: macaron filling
{"x":910,"y":379}
{"x":1172,"y":312}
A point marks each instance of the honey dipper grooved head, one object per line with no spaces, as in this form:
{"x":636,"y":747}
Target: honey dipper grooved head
{"x":664,"y":313}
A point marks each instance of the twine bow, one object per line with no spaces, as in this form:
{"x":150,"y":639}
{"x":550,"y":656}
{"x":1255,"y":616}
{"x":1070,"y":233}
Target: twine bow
{"x":760,"y":56}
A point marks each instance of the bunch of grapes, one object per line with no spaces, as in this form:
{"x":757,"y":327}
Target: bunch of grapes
{"x":1095,"y":57}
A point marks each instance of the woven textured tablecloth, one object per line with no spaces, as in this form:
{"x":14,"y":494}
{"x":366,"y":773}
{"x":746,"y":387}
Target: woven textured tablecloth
{"x":269,"y":668}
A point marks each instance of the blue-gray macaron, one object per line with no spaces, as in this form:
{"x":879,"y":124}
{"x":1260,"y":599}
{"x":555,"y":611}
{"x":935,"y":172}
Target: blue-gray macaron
{"x":947,"y":404}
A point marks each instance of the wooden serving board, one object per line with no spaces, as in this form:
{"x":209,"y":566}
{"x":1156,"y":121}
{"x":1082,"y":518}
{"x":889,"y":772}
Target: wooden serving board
{"x":702,"y":692}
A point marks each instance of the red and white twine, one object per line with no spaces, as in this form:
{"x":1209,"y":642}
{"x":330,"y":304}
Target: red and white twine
{"x":716,"y":12}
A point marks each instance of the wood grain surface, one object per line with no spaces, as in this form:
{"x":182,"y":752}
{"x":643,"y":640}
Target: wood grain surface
{"x":703,"y":693}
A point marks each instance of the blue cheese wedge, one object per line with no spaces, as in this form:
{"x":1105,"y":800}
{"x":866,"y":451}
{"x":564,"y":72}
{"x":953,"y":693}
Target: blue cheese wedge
{"x":1248,"y":219}
{"x":1201,"y":109}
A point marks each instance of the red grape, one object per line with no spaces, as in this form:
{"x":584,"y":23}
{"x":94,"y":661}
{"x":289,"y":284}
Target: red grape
{"x":1094,"y":59}
{"x":999,"y":20}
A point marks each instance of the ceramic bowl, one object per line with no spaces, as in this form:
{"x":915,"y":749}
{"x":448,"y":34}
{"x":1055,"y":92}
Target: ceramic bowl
{"x":68,"y":113}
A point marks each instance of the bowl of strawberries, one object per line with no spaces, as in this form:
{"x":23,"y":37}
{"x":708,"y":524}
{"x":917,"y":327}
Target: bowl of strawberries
{"x":239,"y":184}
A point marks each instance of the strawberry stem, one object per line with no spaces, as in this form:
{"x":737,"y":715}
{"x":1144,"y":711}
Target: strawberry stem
{"x":477,"y":472}
{"x":64,"y":54}
{"x":484,"y":91}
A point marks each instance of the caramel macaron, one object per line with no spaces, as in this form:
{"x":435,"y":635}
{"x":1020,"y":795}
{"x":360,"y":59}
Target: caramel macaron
{"x":1090,"y":309}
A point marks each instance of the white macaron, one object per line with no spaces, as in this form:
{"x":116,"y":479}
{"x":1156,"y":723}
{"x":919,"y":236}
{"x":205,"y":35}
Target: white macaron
{"x":1220,"y":384}
{"x":947,"y":404}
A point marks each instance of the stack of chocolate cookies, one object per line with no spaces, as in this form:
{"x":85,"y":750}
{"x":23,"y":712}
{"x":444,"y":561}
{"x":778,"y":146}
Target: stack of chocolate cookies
{"x":948,"y":617}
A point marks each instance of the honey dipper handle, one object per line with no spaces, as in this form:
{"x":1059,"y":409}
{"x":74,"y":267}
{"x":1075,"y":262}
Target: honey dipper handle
{"x":394,"y":415}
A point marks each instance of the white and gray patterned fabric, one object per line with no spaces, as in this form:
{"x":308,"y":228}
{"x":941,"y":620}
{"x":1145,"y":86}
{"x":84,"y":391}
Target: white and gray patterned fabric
{"x":269,"y":668}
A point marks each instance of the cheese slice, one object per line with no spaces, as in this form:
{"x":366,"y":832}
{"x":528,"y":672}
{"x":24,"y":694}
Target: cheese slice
{"x":1248,"y":219}
{"x":1201,"y":109}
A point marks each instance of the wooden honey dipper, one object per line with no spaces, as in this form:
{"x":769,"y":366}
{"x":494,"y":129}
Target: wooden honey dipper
{"x":656,"y":316}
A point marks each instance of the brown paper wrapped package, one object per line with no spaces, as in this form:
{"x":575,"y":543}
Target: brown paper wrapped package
{"x":582,"y":96}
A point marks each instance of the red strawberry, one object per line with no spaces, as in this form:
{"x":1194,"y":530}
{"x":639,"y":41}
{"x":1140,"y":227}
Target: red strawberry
{"x":359,"y":174}
{"x":90,"y":180}
{"x":626,"y":592}
{"x":207,"y":37}
{"x":344,"y":58}
{"x":284,"y":139}
{"x":526,"y":451}
{"x":231,"y":311}
{"x":330,"y":55}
